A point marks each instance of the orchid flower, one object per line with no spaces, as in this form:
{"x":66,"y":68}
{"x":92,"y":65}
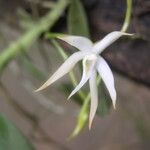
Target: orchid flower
{"x":93,"y":63}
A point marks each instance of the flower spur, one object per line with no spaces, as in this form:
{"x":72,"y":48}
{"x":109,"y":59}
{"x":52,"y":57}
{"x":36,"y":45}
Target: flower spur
{"x":92,"y":63}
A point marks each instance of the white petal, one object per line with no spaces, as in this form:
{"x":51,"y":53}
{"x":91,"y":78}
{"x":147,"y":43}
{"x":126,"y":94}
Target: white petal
{"x":88,"y":66}
{"x":81,"y":43}
{"x":94,"y":97}
{"x":63,"y":69}
{"x":107,"y":76}
{"x":107,"y":40}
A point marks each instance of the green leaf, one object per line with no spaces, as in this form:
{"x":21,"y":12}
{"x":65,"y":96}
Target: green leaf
{"x":67,"y":89}
{"x":77,"y":20}
{"x":82,"y":118}
{"x":104,"y":101}
{"x":11,"y":138}
{"x":51,"y":35}
{"x":25,"y":19}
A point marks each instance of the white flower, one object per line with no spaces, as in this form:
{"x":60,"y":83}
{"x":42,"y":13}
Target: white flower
{"x":92,"y":63}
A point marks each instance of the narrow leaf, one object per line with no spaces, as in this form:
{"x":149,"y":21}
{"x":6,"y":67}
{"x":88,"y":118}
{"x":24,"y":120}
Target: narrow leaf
{"x":104,"y":101}
{"x":77,"y":20}
{"x":11,"y":138}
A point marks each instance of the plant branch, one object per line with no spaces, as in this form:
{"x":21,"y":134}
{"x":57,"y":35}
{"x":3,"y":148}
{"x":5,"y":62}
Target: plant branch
{"x":25,"y":41}
{"x":127,"y":16}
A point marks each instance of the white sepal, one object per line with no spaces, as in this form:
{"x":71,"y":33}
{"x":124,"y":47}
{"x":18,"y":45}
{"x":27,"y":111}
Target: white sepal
{"x":94,"y":97}
{"x":107,"y":76}
{"x":64,"y":68}
{"x":81,"y":43}
{"x":107,"y":40}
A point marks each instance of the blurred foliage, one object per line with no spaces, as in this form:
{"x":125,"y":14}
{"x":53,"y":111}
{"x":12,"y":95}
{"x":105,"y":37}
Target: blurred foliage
{"x":25,"y":19}
{"x":77,"y":19}
{"x":31,"y":68}
{"x":31,"y":35}
{"x":142,"y":127}
{"x":11,"y":138}
{"x":67,"y":89}
{"x":104,"y":101}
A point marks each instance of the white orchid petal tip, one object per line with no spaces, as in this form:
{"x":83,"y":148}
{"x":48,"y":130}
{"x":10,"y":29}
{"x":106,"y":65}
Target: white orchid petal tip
{"x":69,"y":97}
{"x":90,"y":125}
{"x":42,"y":87}
{"x":114,"y":104}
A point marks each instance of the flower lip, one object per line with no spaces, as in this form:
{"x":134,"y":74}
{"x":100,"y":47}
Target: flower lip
{"x":91,"y":56}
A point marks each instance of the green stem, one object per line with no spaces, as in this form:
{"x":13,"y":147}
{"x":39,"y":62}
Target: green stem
{"x":24,"y":42}
{"x":127,"y":16}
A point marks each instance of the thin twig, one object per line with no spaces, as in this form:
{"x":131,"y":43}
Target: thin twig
{"x":127,"y":16}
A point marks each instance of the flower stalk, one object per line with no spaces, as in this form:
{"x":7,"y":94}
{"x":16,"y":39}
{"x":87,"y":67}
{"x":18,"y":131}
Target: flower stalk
{"x":127,"y":16}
